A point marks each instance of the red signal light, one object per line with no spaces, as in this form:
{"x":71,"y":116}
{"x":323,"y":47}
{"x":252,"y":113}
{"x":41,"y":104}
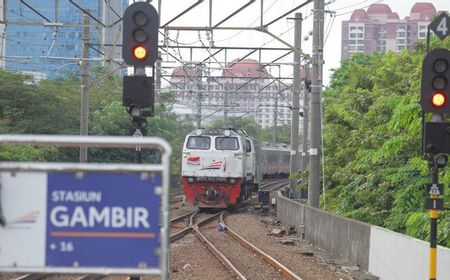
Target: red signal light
{"x":140,"y":52}
{"x":438,"y":99}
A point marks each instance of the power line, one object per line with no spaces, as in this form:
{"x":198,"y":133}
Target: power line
{"x":346,"y":13}
{"x":329,"y":29}
{"x":350,"y":6}
{"x":258,"y":18}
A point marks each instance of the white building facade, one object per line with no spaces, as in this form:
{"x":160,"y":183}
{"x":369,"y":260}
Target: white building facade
{"x":243,"y":89}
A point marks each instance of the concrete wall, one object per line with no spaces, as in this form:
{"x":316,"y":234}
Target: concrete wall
{"x":344,"y":238}
{"x":384,"y":253}
{"x":394,"y":256}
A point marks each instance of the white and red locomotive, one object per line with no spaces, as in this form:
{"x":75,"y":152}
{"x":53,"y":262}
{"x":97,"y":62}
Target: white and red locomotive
{"x":221,"y":167}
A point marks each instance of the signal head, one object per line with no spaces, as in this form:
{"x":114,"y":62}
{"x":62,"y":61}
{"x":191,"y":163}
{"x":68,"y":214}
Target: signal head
{"x":438,"y":99}
{"x":435,"y":82}
{"x":140,"y":35}
{"x":140,"y":52}
{"x":140,"y":19}
{"x":440,"y":65}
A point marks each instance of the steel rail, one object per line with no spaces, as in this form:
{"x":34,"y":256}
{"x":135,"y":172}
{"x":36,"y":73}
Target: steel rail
{"x":224,"y":260}
{"x":179,"y":234}
{"x":273,"y":185}
{"x":32,"y":276}
{"x":221,"y":257}
{"x":270,"y":260}
{"x":91,"y":277}
{"x":176,"y":219}
{"x":276,"y":185}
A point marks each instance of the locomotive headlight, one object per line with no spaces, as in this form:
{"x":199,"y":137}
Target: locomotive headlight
{"x":198,"y":132}
{"x":232,"y":181}
{"x":191,"y":180}
{"x":227,"y":133}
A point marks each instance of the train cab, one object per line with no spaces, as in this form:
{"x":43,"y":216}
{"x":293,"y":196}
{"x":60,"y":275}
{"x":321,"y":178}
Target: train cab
{"x":216,"y":167}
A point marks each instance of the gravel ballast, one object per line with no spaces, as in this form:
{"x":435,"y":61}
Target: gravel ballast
{"x":248,"y":226}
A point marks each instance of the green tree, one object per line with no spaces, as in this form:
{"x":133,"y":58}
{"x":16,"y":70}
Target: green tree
{"x":372,"y":125}
{"x":114,"y":120}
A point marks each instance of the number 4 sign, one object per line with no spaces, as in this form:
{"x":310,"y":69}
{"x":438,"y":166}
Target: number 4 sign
{"x":441,"y":26}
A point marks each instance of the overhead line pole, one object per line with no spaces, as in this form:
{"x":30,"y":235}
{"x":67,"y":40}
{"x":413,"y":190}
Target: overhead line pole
{"x":158,"y":77}
{"x":84,"y":119}
{"x":306,"y":112}
{"x":293,"y":165}
{"x":316,"y":96}
{"x":199,"y":73}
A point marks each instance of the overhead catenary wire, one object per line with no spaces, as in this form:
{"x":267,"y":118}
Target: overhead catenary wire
{"x":346,"y":13}
{"x":177,"y":41}
{"x":349,"y":6}
{"x":258,"y":18}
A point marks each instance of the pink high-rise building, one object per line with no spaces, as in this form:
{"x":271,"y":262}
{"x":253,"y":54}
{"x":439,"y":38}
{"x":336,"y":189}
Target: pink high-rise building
{"x":379,"y":29}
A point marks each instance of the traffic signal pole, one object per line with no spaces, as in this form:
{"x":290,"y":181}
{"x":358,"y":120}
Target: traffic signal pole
{"x":433,"y":229}
{"x":434,"y":100}
{"x":140,"y":51}
{"x":436,"y":146}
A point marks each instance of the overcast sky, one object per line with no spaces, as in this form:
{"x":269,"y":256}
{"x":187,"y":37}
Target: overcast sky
{"x":284,"y":27}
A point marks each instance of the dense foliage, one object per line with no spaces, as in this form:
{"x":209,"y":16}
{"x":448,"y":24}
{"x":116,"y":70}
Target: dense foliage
{"x":280,"y":135}
{"x":53,"y":107}
{"x":374,"y":171}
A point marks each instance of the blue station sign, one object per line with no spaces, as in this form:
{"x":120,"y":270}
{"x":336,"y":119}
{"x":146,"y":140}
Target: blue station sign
{"x":103,"y":220}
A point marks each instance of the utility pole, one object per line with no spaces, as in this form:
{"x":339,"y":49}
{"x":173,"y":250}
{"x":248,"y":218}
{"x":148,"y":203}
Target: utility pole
{"x":316,"y":96}
{"x":275,"y":119}
{"x":304,"y":158}
{"x":3,"y":33}
{"x":198,"y":115}
{"x":158,"y":77}
{"x":84,"y":86}
{"x":225,"y":108}
{"x":293,"y":166}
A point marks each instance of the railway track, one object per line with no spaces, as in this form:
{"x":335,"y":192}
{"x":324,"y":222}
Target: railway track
{"x":279,"y":267}
{"x":239,"y":258}
{"x":188,"y":227}
{"x":39,"y":276}
{"x":32,"y":276}
{"x":91,"y":277}
{"x":177,"y":197}
{"x":273,"y":185}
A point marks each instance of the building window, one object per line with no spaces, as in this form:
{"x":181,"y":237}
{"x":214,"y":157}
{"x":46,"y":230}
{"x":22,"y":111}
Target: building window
{"x":356,"y":32}
{"x":422,"y":34}
{"x":381,"y":42}
{"x":401,"y":39}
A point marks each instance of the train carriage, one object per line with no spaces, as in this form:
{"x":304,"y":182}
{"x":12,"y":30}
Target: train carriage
{"x":275,"y":160}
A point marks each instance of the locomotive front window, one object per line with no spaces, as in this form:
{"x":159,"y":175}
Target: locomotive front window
{"x":198,"y":142}
{"x":248,"y":148}
{"x":227,"y":143}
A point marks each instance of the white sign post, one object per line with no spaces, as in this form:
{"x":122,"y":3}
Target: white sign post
{"x":85,"y":217}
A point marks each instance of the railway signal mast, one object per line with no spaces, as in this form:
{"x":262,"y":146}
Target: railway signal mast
{"x":435,"y":99}
{"x":140,"y":51}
